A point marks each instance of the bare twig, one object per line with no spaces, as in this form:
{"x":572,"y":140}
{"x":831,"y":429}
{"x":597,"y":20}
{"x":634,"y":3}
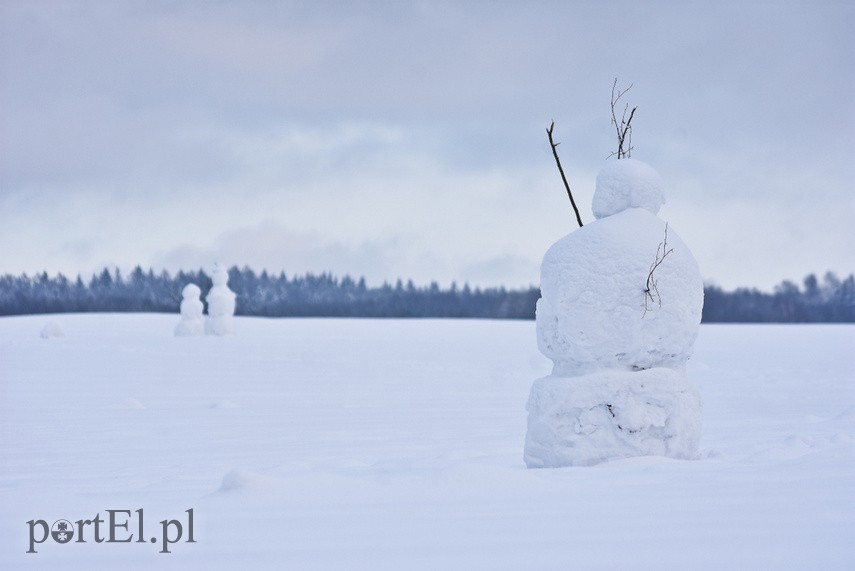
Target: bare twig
{"x":554,"y":146}
{"x":623,"y":130}
{"x":651,"y":289}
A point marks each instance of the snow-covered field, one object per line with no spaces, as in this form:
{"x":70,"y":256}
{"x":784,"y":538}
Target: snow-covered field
{"x":393,"y":444}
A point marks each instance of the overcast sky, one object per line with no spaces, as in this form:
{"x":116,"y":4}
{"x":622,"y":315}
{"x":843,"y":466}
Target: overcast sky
{"x":407,"y":139}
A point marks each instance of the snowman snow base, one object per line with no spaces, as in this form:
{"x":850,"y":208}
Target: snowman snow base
{"x":612,"y":414}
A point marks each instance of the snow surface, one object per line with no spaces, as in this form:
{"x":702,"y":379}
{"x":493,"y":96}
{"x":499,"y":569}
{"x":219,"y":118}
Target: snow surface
{"x":390,"y":444}
{"x":627,"y":183}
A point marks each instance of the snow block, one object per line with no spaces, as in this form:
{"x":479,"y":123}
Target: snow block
{"x":612,"y":414}
{"x":594,"y":313}
{"x":627,"y":183}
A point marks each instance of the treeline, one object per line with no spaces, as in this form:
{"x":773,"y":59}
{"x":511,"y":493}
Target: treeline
{"x":829,"y":301}
{"x":310,"y":295}
{"x":261,"y":295}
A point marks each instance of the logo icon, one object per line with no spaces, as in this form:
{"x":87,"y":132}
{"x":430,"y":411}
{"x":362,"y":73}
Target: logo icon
{"x":62,"y":531}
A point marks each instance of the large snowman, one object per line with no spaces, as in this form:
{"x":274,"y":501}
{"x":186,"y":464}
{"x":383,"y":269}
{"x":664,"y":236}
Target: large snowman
{"x":221,"y":304}
{"x":619,"y":313}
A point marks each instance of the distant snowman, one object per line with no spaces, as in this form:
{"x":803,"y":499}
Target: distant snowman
{"x":221,"y":304}
{"x":52,"y":330}
{"x":619,"y":314}
{"x":191,"y":312}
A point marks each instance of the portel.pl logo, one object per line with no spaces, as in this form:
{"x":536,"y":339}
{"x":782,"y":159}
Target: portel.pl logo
{"x":117,"y":528}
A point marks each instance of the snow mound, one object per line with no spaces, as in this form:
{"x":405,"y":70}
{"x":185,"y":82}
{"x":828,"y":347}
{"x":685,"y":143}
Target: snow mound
{"x":594,"y":312}
{"x":131,"y":403}
{"x":581,"y":421}
{"x":223,"y":404}
{"x":52,"y":330}
{"x":627,"y":183}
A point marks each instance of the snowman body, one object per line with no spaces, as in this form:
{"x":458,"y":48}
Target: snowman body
{"x":191,"y":312}
{"x":221,"y":304}
{"x":619,"y":329}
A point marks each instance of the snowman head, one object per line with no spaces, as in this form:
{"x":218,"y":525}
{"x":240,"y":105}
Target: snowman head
{"x":220,"y":276}
{"x":191,"y":291}
{"x":627,"y":183}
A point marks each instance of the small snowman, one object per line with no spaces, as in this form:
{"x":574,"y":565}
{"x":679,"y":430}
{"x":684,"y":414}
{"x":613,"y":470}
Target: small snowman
{"x":619,"y":313}
{"x":191,"y":312}
{"x":221,"y":304}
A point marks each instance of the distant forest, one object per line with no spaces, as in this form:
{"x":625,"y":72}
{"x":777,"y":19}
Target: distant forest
{"x":819,"y":301}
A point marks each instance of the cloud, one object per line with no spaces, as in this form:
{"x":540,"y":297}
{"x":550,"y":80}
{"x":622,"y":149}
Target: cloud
{"x":511,"y":271}
{"x":276,"y":248}
{"x":409,"y":140}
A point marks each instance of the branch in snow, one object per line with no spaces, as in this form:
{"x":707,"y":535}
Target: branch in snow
{"x":624,"y":129}
{"x":651,"y":289}
{"x":554,"y":146}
